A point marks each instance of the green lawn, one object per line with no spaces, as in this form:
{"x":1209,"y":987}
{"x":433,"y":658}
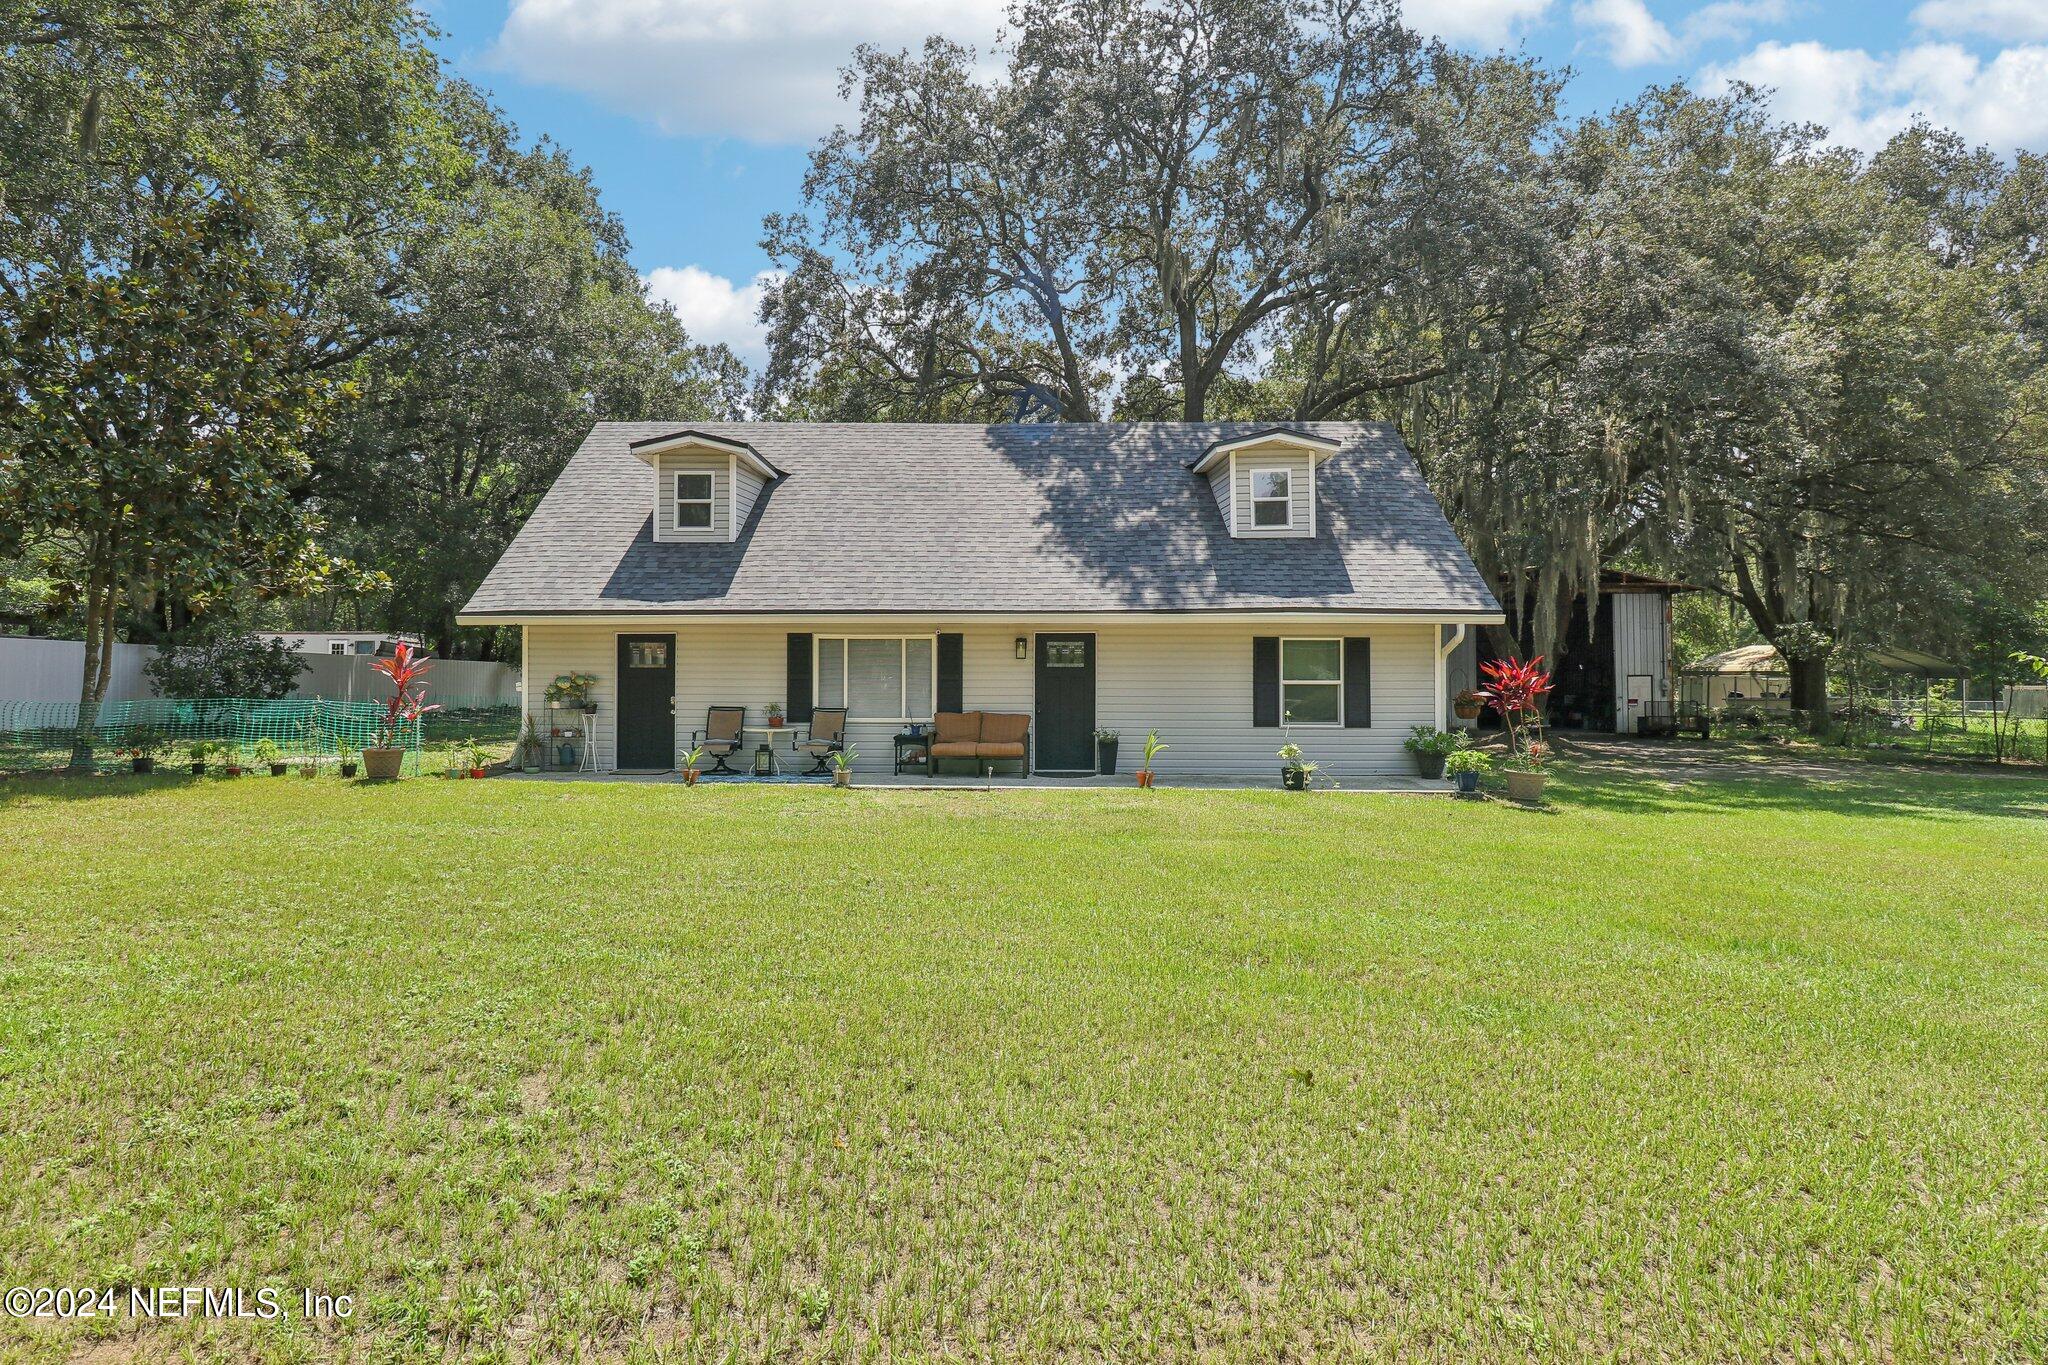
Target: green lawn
{"x":1746,"y":1069}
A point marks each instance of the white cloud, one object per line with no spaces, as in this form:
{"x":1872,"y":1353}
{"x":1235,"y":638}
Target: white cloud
{"x":713,"y":308}
{"x":1731,"y":20}
{"x":1486,"y":23}
{"x":1627,"y":29}
{"x":1863,"y":99}
{"x":2008,"y":20}
{"x":766,"y":71}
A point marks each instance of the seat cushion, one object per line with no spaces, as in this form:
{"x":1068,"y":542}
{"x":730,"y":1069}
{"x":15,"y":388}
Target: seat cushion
{"x":988,"y":750}
{"x":955,"y":749}
{"x":956,"y":727}
{"x":1002,"y":727}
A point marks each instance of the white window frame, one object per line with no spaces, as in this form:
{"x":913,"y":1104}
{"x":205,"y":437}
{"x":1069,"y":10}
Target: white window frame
{"x":903,"y":666}
{"x":1337,"y":682}
{"x":337,"y":647}
{"x":709,"y":502}
{"x":1251,"y":488}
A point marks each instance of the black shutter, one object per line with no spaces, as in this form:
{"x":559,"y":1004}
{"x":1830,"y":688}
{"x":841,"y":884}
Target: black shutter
{"x":1357,"y":682}
{"x":949,"y":674}
{"x":1266,"y":681}
{"x":798,"y":686}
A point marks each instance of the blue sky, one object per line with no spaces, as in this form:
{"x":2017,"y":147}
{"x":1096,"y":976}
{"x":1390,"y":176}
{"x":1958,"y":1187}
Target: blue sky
{"x":696,"y":115}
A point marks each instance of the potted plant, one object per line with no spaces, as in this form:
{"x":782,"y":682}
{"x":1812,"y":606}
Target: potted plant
{"x":842,"y":766}
{"x":477,"y":757}
{"x":268,"y":754}
{"x":1153,"y":748}
{"x":231,"y":757}
{"x":1525,"y":773}
{"x":1467,"y":705}
{"x":144,"y":744}
{"x":529,"y":747}
{"x":197,"y":751}
{"x":572,"y":690}
{"x":692,"y":763}
{"x":1516,"y":689}
{"x":1432,"y":746}
{"x":405,"y":706}
{"x":346,"y":752}
{"x":1105,"y":752}
{"x":775,"y":715}
{"x":309,"y":766}
{"x":1466,"y":767}
{"x":1295,"y":769}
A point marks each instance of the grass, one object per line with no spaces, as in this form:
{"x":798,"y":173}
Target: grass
{"x":1739,"y":1069}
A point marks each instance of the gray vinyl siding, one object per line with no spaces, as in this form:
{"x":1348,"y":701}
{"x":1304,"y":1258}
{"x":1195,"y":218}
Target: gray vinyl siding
{"x":1642,"y":645}
{"x":1190,"y":680}
{"x":746,"y":490}
{"x":719,"y":468}
{"x":1219,"y":484}
{"x":1300,"y":487}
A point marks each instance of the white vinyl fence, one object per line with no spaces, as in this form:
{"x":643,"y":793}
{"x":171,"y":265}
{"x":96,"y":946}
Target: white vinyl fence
{"x":51,"y":670}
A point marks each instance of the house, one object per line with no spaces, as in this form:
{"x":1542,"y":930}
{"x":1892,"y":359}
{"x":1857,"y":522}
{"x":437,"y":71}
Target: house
{"x":375,"y":643}
{"x":1617,"y":676}
{"x":1229,"y":585}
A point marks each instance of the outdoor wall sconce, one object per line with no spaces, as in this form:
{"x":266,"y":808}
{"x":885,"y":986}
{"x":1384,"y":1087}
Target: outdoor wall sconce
{"x":1022,"y":650}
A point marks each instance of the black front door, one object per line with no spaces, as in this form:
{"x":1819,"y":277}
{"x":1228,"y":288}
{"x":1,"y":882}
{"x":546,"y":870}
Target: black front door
{"x":1063,"y":725}
{"x":647,"y":702}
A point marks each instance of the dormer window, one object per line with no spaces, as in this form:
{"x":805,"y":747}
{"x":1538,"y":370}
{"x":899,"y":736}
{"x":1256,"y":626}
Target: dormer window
{"x":1265,"y":482}
{"x":705,"y":484}
{"x":694,"y":495}
{"x":1272,"y":498}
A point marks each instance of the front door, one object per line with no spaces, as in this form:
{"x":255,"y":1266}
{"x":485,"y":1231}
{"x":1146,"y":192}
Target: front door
{"x":1063,"y":722}
{"x":647,"y":703}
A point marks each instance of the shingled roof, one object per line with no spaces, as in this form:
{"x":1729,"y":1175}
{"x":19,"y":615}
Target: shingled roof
{"x":1045,"y":517}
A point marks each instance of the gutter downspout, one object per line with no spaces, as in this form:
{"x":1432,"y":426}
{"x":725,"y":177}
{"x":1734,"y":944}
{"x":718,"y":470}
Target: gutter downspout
{"x":1443,"y":655}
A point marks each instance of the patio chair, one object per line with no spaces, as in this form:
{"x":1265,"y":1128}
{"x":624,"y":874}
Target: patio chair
{"x":720,"y":737}
{"x":827,"y":737}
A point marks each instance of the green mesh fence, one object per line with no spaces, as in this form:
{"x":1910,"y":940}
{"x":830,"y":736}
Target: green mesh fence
{"x":39,"y":736}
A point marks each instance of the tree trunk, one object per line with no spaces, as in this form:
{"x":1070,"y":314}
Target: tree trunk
{"x":1810,"y":692}
{"x":92,"y":679}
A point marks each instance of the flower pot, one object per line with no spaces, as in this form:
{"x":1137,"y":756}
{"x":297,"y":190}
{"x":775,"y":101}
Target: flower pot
{"x":1466,"y":710}
{"x":309,"y":770}
{"x":1294,"y":779}
{"x":1145,"y":778}
{"x":234,"y":770}
{"x":1430,"y":764}
{"x":348,"y":767}
{"x":775,"y":722}
{"x":381,"y":765}
{"x":590,"y":708}
{"x":199,"y":768}
{"x":476,"y":772}
{"x":279,"y":769}
{"x":690,"y":777}
{"x":143,"y":765}
{"x":1526,"y":788}
{"x":1105,"y":757}
{"x":843,"y":778}
{"x":1468,"y":784}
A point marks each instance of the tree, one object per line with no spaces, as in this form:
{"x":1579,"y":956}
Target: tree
{"x":155,"y":426}
{"x":227,"y":663}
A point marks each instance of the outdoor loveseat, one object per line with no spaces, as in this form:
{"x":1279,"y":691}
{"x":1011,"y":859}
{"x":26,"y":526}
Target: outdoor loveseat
{"x":983,"y":737}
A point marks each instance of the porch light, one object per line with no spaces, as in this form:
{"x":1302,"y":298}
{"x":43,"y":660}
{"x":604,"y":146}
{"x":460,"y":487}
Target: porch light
{"x":764,"y":762}
{"x":1022,"y":648}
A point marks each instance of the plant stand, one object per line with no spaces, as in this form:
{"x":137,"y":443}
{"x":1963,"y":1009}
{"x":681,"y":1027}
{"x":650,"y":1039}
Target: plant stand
{"x":589,"y":763}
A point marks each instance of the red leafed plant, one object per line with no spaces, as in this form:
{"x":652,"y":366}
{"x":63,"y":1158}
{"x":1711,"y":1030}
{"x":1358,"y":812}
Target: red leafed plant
{"x":1516,"y":689}
{"x":407,"y":702}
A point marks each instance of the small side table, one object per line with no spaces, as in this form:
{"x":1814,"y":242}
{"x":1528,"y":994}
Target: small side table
{"x":912,"y":751}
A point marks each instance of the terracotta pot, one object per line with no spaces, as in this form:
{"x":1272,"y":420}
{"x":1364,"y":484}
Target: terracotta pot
{"x":234,"y":770}
{"x":775,"y":722}
{"x":690,"y":777}
{"x":1145,"y":778}
{"x":1526,"y":788}
{"x":381,"y":765}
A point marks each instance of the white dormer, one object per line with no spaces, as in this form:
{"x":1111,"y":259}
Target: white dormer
{"x":1265,"y":483}
{"x":704,"y":486}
